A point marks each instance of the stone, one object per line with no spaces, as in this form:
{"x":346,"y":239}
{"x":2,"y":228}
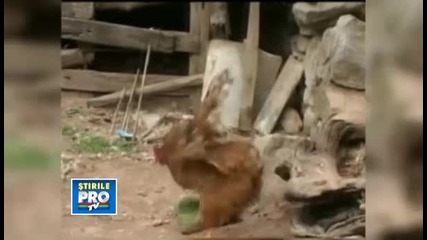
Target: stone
{"x":269,"y":145}
{"x":314,"y":18}
{"x":299,"y":44}
{"x":291,"y":121}
{"x":344,"y":48}
{"x":159,"y":222}
{"x":148,"y":120}
{"x":314,"y":176}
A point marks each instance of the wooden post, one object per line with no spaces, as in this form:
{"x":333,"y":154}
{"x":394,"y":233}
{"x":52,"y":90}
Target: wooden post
{"x":199,"y":26}
{"x":251,"y":66}
{"x":84,"y":11}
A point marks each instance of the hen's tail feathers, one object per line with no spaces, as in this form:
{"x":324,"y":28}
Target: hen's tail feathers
{"x":210,"y":103}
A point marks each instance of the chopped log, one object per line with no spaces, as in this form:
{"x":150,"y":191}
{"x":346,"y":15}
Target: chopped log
{"x":104,"y":82}
{"x":118,"y":35}
{"x":251,"y":67}
{"x":80,"y":10}
{"x":75,"y":58}
{"x":285,"y":84}
{"x":193,"y":80}
{"x":228,"y":56}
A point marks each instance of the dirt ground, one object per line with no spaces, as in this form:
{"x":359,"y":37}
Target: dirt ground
{"x":146,"y":192}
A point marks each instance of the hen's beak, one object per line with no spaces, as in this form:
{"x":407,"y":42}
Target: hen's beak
{"x":158,"y":156}
{"x":156,"y":150}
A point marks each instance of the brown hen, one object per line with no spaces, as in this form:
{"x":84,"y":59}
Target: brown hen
{"x":226,"y":173}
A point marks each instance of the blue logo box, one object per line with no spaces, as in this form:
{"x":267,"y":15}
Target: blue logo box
{"x":93,"y":196}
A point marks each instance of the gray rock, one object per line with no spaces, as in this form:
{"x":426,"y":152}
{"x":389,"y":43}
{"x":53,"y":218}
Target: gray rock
{"x":311,"y":177}
{"x":268,"y":144}
{"x":344,"y":48}
{"x":272,"y":144}
{"x":148,"y":120}
{"x":314,"y":18}
{"x":291,"y":121}
{"x":299,"y":44}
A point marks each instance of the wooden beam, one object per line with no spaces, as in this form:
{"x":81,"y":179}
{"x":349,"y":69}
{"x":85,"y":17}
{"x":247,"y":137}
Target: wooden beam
{"x":288,"y":79}
{"x":199,"y":26}
{"x":250,"y":67}
{"x":187,"y":81}
{"x":104,"y":82}
{"x":118,"y":35}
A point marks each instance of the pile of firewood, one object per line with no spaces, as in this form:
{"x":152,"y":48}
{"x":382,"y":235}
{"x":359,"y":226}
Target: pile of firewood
{"x":326,"y":174}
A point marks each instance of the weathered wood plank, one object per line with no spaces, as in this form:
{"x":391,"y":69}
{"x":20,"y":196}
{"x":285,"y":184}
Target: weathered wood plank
{"x":187,"y":81}
{"x":199,"y":26}
{"x":251,"y":67}
{"x":285,"y":84}
{"x":118,"y":35}
{"x":104,"y":82}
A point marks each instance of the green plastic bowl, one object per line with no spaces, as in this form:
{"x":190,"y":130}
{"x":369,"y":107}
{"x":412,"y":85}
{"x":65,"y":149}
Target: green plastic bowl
{"x":188,"y":214}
